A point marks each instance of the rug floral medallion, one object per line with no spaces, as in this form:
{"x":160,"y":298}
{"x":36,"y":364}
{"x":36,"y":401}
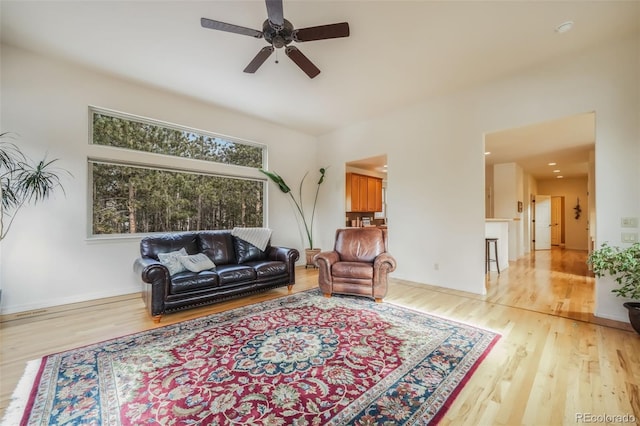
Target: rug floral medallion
{"x":299,"y":360}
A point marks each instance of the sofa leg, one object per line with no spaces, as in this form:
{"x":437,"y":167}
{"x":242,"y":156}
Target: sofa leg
{"x":290,"y":287}
{"x":157,"y":318}
{"x":327,"y":295}
{"x":378,"y":299}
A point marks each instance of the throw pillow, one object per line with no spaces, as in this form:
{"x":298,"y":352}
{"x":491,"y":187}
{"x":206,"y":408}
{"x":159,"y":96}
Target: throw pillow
{"x":197,"y":262}
{"x":172,"y":261}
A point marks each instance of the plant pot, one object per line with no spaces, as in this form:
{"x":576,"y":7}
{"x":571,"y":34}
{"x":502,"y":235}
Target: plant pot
{"x":310,"y":254}
{"x":634,"y":314}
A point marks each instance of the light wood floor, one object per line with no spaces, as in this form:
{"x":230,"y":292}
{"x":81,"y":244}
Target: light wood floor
{"x":555,"y":363}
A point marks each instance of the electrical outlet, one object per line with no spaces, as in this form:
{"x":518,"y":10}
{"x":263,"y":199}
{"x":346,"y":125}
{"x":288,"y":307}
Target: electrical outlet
{"x":629,"y":222}
{"x":629,"y":237}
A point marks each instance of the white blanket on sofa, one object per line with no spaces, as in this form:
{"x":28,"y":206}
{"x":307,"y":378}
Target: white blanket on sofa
{"x":259,"y":237}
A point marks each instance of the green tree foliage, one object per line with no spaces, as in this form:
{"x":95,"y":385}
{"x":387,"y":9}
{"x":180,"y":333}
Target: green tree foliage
{"x":141,"y":136}
{"x":129,"y":199}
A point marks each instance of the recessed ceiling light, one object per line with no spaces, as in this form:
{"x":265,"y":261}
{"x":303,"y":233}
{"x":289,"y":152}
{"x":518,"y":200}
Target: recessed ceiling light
{"x":487,"y":153}
{"x":552,"y":164}
{"x":559,"y":177}
{"x":556,"y":171}
{"x":564,"y":27}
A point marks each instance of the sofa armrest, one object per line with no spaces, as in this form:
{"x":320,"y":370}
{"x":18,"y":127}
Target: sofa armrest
{"x":157,"y":275}
{"x":287,"y":255}
{"x":283,"y":254}
{"x":150,"y":270}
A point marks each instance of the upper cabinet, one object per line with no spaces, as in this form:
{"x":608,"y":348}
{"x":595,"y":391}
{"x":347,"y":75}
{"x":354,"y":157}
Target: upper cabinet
{"x":364,"y":193}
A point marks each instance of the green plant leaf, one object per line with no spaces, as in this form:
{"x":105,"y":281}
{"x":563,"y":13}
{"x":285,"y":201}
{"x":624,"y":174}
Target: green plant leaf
{"x":277,"y":180}
{"x":623,"y":265}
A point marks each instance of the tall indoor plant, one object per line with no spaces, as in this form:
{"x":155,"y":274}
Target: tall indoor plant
{"x":307,"y":224}
{"x":623,"y":264}
{"x":23,"y":181}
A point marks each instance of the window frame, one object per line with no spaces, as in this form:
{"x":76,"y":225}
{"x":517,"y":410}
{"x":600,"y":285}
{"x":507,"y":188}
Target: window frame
{"x":142,"y":159}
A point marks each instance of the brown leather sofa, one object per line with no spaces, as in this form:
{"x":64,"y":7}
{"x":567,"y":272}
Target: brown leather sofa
{"x":239,"y":269}
{"x":358,"y":265}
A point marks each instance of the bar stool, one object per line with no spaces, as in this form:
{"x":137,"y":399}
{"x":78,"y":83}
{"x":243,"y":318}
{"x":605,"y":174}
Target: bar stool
{"x":487,"y":251}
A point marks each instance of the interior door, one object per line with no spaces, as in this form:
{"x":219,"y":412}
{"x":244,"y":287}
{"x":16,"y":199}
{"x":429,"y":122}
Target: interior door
{"x":556,"y":221}
{"x":543,"y":222}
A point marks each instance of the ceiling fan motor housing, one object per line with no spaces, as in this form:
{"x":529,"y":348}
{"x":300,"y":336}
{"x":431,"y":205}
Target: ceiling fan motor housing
{"x":278,"y":37}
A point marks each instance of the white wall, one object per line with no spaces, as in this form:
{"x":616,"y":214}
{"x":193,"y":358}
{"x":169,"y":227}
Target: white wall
{"x":436,"y":161}
{"x":47,"y":258}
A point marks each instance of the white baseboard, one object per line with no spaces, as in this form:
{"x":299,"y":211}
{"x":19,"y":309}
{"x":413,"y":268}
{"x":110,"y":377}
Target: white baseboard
{"x":39,"y":311}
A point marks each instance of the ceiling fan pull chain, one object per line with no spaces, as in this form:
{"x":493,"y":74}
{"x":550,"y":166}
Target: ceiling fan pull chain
{"x":277,"y":62}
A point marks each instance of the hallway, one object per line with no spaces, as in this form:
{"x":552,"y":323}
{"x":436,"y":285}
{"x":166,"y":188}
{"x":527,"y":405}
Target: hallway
{"x":555,"y":282}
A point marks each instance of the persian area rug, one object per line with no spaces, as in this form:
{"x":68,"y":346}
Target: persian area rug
{"x":299,"y":360}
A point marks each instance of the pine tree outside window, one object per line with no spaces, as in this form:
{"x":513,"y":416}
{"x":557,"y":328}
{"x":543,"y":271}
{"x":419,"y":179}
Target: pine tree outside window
{"x":130,"y":198}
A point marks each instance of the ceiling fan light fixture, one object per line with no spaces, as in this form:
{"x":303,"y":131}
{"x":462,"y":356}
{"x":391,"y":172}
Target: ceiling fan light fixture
{"x":279,"y":33}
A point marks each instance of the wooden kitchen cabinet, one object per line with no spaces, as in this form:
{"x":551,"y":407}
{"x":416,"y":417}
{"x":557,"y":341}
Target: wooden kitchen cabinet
{"x":364,"y":193}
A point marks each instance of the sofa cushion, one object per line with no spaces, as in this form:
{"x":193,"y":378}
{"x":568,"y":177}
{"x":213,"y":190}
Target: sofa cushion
{"x":230,"y":274}
{"x":218,"y":245}
{"x":187,"y":281}
{"x":197,"y":262}
{"x":268,"y":268}
{"x":152,"y":245}
{"x":247,"y":252}
{"x":172,"y":261}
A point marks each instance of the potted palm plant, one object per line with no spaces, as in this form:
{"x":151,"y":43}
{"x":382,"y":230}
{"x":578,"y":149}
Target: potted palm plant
{"x":23,"y":181}
{"x":310,"y":251}
{"x":623,"y":264}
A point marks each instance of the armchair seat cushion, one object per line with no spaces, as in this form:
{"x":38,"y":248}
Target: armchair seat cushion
{"x":356,"y":270}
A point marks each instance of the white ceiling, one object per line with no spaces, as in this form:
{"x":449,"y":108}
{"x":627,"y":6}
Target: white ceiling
{"x":398,"y":53}
{"x":566,"y":142}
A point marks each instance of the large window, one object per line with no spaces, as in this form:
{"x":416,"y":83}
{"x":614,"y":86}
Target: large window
{"x":155,"y":194}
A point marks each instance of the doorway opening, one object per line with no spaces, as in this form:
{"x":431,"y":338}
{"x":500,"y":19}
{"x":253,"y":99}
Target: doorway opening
{"x":551,"y":165}
{"x":366,"y":192}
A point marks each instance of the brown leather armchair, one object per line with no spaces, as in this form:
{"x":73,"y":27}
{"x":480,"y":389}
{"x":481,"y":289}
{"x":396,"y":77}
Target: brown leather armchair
{"x":358,"y":265}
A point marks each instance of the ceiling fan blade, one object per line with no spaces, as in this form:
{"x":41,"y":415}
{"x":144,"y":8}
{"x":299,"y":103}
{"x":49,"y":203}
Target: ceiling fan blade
{"x":259,"y":59}
{"x":275,"y":13}
{"x":230,"y":28}
{"x":322,"y":32}
{"x":302,"y":61}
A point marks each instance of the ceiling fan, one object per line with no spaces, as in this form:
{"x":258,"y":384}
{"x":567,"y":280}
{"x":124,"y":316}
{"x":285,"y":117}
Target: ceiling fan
{"x":279,"y":32}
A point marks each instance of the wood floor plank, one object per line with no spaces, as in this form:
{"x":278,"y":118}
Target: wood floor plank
{"x":554,"y":362}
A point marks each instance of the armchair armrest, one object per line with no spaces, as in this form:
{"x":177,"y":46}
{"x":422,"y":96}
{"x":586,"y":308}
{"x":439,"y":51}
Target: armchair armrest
{"x":327,"y":257}
{"x":385,"y":261}
{"x":325,"y":260}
